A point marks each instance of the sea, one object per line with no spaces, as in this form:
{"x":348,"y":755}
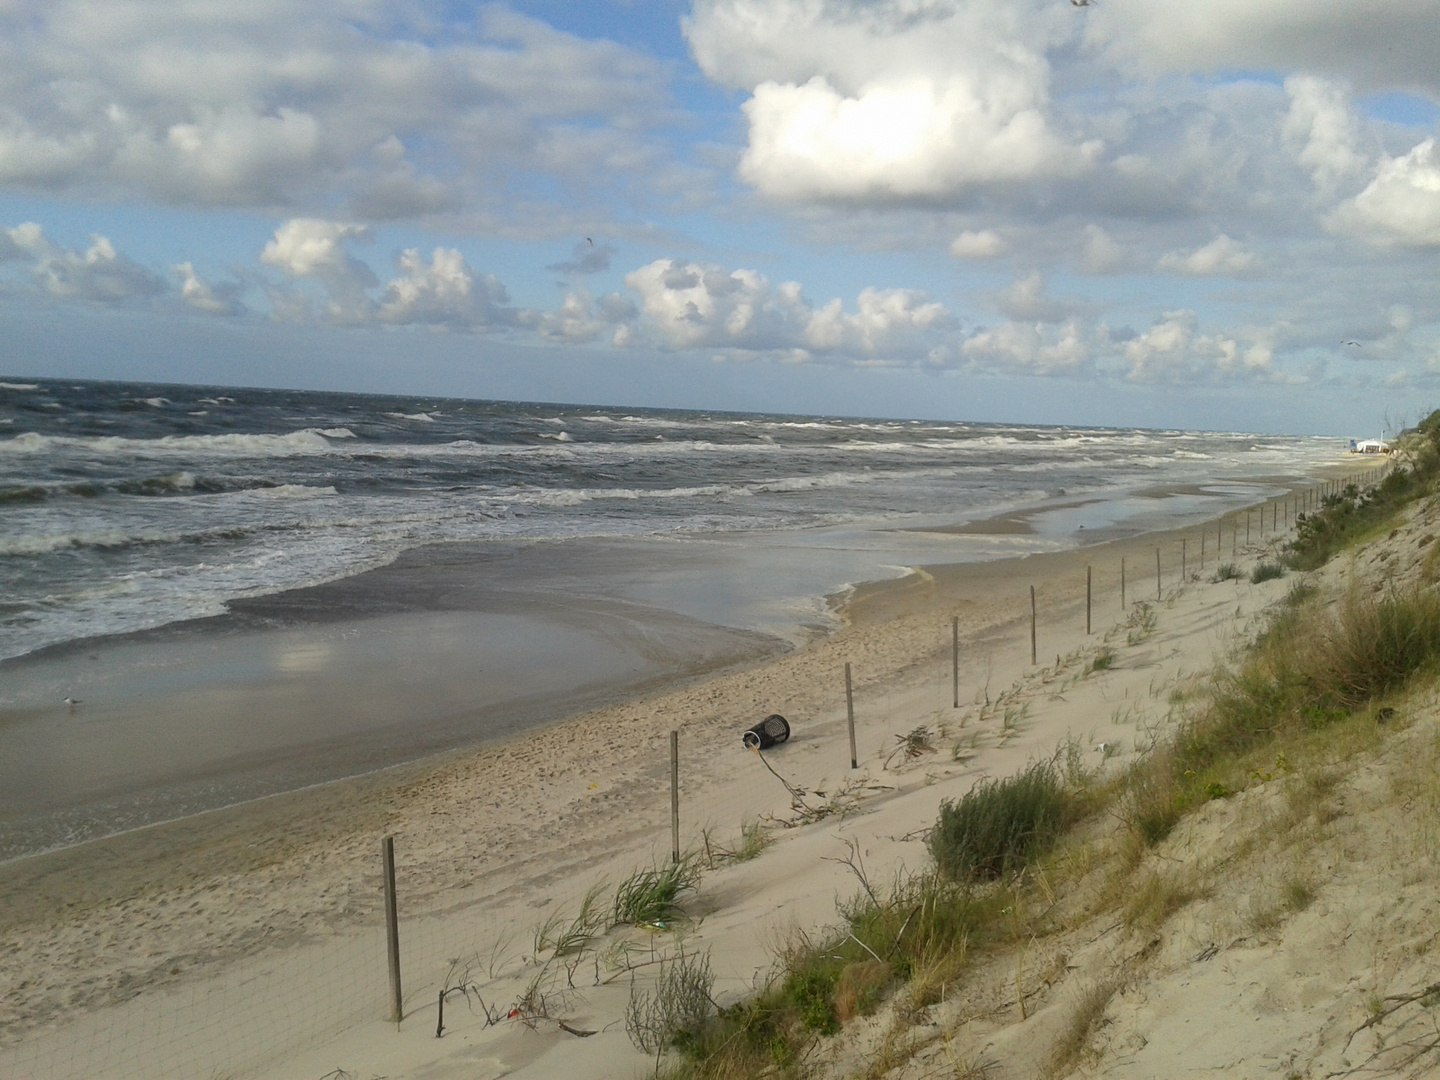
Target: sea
{"x":125,"y":507}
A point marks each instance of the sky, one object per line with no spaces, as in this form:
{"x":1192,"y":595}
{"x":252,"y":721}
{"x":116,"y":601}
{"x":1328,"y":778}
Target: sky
{"x":1212,"y":214}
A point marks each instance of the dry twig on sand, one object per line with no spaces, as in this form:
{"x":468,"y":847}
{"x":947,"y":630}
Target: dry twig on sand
{"x":913,"y":744}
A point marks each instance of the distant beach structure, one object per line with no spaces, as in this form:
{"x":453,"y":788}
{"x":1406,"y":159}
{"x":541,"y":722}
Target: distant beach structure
{"x":1370,"y":446}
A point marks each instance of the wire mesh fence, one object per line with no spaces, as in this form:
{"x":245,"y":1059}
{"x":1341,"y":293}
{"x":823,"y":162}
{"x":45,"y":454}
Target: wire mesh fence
{"x":297,"y":994}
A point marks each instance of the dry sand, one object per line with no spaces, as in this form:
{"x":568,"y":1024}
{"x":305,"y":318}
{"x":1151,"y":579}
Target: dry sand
{"x":245,"y":941}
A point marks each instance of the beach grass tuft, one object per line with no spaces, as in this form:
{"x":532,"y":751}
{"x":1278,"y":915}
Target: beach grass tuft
{"x":1266,"y":571}
{"x":650,"y":897}
{"x":997,"y":825}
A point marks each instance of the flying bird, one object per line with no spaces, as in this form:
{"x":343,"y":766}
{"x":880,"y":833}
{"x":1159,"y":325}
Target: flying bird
{"x":1082,"y":3}
{"x":589,"y":241}
{"x":1355,"y":343}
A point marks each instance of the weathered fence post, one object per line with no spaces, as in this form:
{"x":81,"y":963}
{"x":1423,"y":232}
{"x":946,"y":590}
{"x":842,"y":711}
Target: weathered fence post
{"x":850,"y":716}
{"x":1158,"y":595}
{"x":1087,"y":600}
{"x":675,"y":796}
{"x":1122,"y":582}
{"x":1032,"y":624}
{"x":392,"y":927}
{"x":955,"y":659}
{"x":1182,"y":562}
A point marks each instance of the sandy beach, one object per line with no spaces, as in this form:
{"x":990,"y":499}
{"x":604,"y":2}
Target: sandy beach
{"x":246,"y":940}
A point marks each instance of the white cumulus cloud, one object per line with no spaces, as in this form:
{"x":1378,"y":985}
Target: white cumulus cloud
{"x":1030,"y":348}
{"x":1401,"y":205}
{"x":1220,"y":256}
{"x":694,"y":305}
{"x":441,"y":292}
{"x":1174,"y":351}
{"x":363,"y":105}
{"x":1324,"y":129}
{"x":99,"y":273}
{"x":1026,"y":301}
{"x":203,"y":296}
{"x":886,"y":101}
{"x":981,"y":244}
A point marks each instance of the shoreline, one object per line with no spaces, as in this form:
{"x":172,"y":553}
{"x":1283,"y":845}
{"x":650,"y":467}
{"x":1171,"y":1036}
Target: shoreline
{"x":923,"y":590}
{"x":414,"y":588}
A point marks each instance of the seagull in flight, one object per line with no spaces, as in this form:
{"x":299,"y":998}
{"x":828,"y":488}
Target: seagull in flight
{"x":1082,"y":3}
{"x":1355,"y":343}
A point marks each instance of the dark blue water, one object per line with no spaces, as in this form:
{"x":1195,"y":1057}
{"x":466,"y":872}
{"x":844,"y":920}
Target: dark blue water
{"x":127,"y":506}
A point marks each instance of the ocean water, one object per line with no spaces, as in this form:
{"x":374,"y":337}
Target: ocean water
{"x":125,"y":507}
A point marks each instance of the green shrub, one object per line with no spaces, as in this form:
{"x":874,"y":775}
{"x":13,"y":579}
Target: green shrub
{"x":811,"y":991}
{"x":999,"y":824}
{"x":1228,"y":572}
{"x":1266,"y":571}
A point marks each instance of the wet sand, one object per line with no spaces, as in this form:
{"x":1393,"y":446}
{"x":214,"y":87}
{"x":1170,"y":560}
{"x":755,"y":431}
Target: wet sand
{"x":458,"y":645}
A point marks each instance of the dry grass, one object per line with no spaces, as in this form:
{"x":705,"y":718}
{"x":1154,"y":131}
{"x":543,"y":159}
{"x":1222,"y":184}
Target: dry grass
{"x":1073,"y":1044}
{"x":1157,"y":895}
{"x":859,"y":987}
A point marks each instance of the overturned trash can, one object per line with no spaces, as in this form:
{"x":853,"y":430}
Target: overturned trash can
{"x":769,"y":732}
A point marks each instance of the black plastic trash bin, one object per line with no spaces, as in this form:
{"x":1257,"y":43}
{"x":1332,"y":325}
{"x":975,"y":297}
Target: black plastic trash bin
{"x":770,"y":731}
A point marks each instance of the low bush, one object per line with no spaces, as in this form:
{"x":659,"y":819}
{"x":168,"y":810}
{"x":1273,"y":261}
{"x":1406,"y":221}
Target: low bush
{"x":999,"y":824}
{"x":1266,"y":571}
{"x":677,"y":1010}
{"x":1228,"y":572}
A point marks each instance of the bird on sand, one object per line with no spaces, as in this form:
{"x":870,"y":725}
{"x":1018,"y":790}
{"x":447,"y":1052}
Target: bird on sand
{"x":72,"y":701}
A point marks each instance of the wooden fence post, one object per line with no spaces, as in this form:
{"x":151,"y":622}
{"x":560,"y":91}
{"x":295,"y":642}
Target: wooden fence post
{"x":392,"y":927}
{"x":675,"y":796}
{"x":955,"y":659}
{"x":1087,"y":600}
{"x":1032,"y":624}
{"x":850,"y":716}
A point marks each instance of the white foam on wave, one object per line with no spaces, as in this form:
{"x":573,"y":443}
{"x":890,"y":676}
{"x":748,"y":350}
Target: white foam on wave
{"x":19,"y":386}
{"x":157,"y":402}
{"x":420,"y":416}
{"x":305,"y":441}
{"x":335,"y":433}
{"x":293,"y":491}
{"x":102,"y":538}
